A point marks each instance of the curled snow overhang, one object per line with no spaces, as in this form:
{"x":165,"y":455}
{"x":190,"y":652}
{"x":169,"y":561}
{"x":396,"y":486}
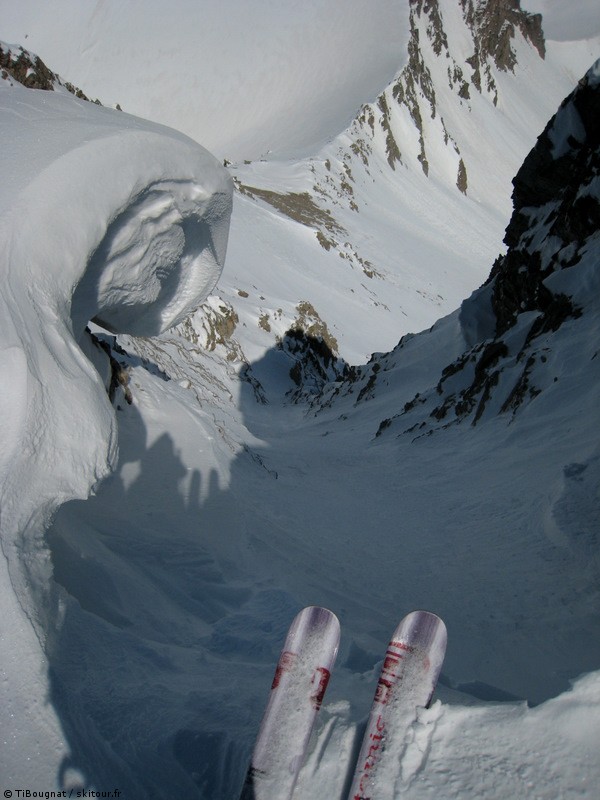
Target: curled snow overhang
{"x":102,"y":217}
{"x":127,"y":218}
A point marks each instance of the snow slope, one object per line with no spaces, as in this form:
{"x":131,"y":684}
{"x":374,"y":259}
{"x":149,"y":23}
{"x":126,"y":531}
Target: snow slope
{"x":242,"y":78}
{"x":140,"y":630}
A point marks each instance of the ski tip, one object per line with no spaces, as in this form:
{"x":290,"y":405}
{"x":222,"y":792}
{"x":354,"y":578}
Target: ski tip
{"x":315,"y":621}
{"x":318,"y":616}
{"x":424,"y":627}
{"x":421,"y":615}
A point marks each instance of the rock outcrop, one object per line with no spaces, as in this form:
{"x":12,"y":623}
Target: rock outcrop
{"x":20,"y":66}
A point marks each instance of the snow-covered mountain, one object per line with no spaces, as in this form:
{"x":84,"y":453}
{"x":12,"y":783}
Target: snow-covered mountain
{"x":384,"y":222}
{"x":546,"y":280}
{"x":267,"y":460}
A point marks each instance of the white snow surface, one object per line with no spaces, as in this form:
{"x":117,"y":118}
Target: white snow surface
{"x":243,"y":78}
{"x":141,"y":626}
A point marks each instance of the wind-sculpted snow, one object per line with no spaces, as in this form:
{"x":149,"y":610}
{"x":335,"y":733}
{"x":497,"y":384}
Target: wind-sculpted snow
{"x":102,"y":217}
{"x":106,"y":218}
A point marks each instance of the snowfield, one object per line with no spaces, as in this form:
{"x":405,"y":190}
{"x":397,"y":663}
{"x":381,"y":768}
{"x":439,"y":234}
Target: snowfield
{"x":245,"y":79}
{"x":158,"y":542}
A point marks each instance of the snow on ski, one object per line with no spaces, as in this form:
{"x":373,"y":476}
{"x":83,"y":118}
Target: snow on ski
{"x":301,"y":677}
{"x":407,"y":680}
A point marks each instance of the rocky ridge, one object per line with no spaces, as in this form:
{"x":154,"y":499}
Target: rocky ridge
{"x":405,"y":130}
{"x":24,"y":68}
{"x":406,"y":120}
{"x":544,"y":283}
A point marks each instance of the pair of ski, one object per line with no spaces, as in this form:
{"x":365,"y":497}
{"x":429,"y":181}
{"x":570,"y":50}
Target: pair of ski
{"x":407,"y":680}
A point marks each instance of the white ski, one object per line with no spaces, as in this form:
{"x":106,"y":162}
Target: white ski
{"x":299,"y":684}
{"x":407,"y":680}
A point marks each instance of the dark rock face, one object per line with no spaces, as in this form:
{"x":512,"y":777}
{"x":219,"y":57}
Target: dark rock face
{"x":564,"y":153}
{"x":551,"y":191}
{"x":27,"y":69}
{"x":313,"y":364}
{"x":555,"y":227}
{"x":494,"y":23}
{"x":556,"y":212}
